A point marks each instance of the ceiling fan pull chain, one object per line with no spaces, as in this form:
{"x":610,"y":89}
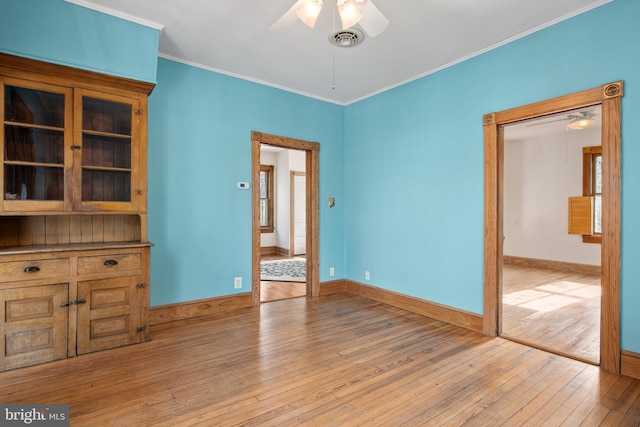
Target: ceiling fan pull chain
{"x":333,"y":52}
{"x":333,"y":77}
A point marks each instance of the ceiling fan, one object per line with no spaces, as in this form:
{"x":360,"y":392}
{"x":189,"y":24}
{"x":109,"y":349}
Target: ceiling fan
{"x":580,"y":120}
{"x":352,"y":12}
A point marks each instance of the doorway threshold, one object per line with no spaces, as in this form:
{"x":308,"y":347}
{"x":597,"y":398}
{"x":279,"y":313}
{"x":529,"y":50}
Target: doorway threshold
{"x":579,"y":358}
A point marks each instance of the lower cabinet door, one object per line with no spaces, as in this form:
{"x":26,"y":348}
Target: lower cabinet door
{"x":108,"y":313}
{"x":34,"y":325}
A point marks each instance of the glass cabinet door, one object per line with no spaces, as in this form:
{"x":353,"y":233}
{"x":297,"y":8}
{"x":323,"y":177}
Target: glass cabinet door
{"x":34,"y":146}
{"x":68,"y":149}
{"x":107,"y":154}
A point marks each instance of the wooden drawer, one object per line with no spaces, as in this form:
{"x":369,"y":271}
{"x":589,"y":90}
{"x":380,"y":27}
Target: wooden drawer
{"x":109,"y":263}
{"x":33,"y":269}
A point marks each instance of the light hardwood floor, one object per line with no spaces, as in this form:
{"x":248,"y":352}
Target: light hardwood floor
{"x":336,"y":360}
{"x":274,"y":291}
{"x":553,"y":310}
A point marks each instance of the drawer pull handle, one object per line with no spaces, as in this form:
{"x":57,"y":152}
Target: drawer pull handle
{"x":110,"y":262}
{"x":79,"y":301}
{"x":32,"y":269}
{"x":66,"y":304}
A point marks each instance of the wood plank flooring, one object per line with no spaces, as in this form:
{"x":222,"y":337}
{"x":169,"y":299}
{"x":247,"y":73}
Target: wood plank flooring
{"x":274,"y":291}
{"x":553,"y":310}
{"x":337,"y":360}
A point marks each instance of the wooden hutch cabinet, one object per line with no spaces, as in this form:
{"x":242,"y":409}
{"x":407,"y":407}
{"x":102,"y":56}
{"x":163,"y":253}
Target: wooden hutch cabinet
{"x":74,"y":255}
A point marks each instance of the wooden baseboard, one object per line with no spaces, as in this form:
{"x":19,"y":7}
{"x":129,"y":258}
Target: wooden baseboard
{"x":333,"y":287}
{"x":593,"y":270}
{"x":186,"y":310}
{"x":270,"y":250}
{"x":454,"y":316}
{"x":630,"y":364}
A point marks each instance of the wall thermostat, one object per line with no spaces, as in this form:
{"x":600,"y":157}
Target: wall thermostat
{"x":243,"y":185}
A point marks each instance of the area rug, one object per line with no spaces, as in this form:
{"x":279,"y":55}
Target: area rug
{"x":288,"y":270}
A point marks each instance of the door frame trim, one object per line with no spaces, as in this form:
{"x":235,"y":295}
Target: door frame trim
{"x":312,"y":150}
{"x":609,"y":97}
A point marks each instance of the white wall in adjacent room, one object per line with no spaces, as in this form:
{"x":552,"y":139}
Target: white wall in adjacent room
{"x":286,"y":162}
{"x":540,"y":175}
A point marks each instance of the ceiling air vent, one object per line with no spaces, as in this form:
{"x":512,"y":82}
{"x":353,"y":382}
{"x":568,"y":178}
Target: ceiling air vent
{"x":346,"y":38}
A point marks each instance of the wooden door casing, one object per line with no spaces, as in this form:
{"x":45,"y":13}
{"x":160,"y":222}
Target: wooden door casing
{"x":312,"y":167}
{"x":609,"y":97}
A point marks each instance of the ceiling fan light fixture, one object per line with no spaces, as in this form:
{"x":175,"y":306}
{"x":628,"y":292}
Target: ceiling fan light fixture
{"x":349,"y":14}
{"x":361,"y":12}
{"x":581,"y":123}
{"x":309,"y":11}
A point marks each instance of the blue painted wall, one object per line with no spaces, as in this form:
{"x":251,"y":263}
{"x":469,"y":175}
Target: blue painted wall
{"x":414,"y":158}
{"x":200,"y":126}
{"x":66,"y":34}
{"x":406,"y":166}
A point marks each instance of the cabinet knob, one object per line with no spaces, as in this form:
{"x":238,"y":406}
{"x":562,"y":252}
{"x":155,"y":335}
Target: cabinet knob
{"x":110,"y":262}
{"x":32,"y":269}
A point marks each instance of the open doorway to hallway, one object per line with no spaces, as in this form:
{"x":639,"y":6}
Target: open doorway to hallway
{"x":312,"y":209}
{"x":283,"y":195}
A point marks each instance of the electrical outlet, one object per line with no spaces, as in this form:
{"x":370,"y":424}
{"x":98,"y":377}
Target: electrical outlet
{"x":367,"y":275}
{"x":332,"y":271}
{"x":237,"y":283}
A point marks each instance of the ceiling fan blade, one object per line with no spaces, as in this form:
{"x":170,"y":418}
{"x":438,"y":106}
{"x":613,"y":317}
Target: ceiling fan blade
{"x":373,"y":21}
{"x":546,"y":122}
{"x":289,"y":17}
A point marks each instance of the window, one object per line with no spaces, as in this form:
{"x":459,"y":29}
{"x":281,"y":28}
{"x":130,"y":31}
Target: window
{"x":266,"y":198}
{"x":592,"y":187}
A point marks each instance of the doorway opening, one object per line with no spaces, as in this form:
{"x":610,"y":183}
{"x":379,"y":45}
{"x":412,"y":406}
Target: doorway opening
{"x":551,"y":275}
{"x":301,"y":158}
{"x":283,"y":225}
{"x":608,"y":97}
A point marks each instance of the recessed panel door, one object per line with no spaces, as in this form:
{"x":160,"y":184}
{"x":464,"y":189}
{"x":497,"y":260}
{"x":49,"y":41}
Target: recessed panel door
{"x":34,"y":325}
{"x":108,"y":313}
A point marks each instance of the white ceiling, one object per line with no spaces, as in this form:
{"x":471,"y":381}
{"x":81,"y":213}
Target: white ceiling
{"x":554,"y":124}
{"x":233,"y":37}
